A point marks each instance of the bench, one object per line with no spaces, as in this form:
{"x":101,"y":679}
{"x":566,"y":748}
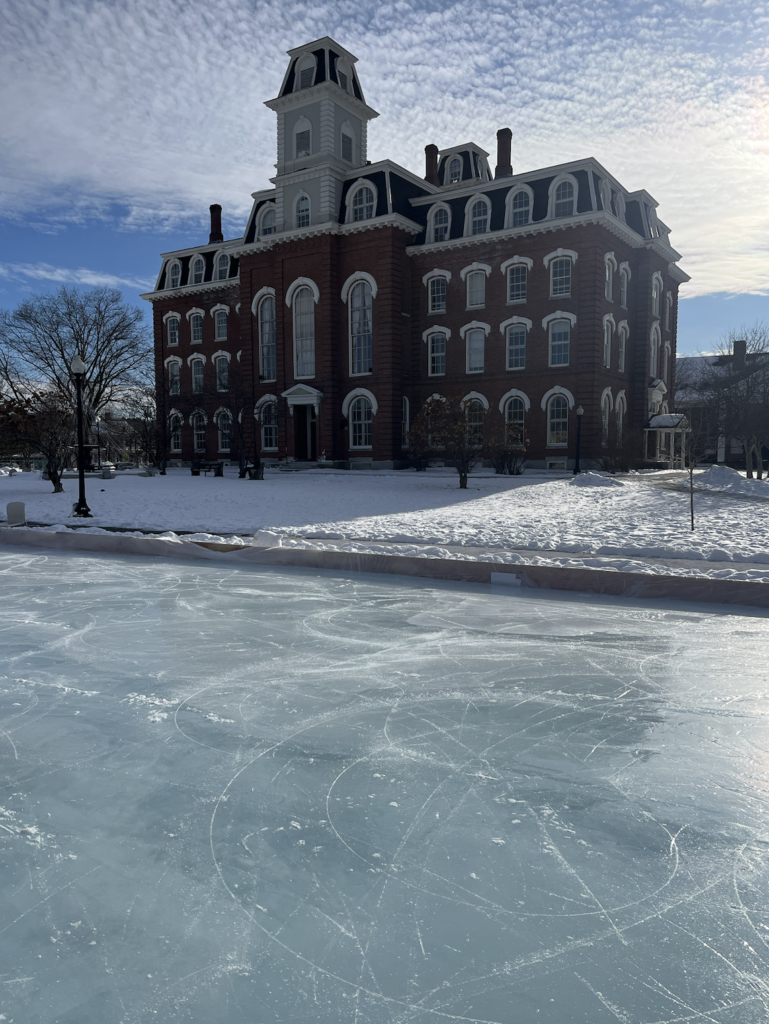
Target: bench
{"x":207,"y":467}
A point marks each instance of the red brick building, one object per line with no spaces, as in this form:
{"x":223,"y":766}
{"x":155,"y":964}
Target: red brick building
{"x":358,"y":290}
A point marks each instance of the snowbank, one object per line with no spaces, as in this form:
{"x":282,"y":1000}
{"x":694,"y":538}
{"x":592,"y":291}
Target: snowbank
{"x":724,"y":478}
{"x":592,"y":479}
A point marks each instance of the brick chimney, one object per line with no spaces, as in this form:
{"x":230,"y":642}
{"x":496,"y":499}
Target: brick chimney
{"x":431,"y":164}
{"x":216,"y":223}
{"x":504,"y":166}
{"x":739,"y":354}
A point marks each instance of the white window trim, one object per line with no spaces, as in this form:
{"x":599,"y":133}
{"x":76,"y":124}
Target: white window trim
{"x":467,"y":350}
{"x":558,"y":254}
{"x":308,"y":54}
{"x":655,"y":332}
{"x":260,"y":217}
{"x":427,"y":336}
{"x":551,"y":196}
{"x":191,"y":312}
{"x":474,"y":266}
{"x":476,"y":395}
{"x":626,"y":267}
{"x":215,"y":277}
{"x":173,"y":359}
{"x":302,"y":282}
{"x":359,"y":275}
{"x":559,"y":315}
{"x":436,"y":329}
{"x":445,"y":274}
{"x":557,"y":390}
{"x":472,"y":326}
{"x":172,"y":316}
{"x":509,"y":204}
{"x":171,"y":265}
{"x":512,"y":321}
{"x":514,"y":393}
{"x":621,"y":401}
{"x":216,"y":355}
{"x":609,"y":257}
{"x":606,"y":393}
{"x":193,"y":257}
{"x":194,"y":356}
{"x":199,"y":412}
{"x":351,"y":193}
{"x":609,"y":318}
{"x":657,"y":276}
{"x":261,"y":294}
{"x":302,"y":125}
{"x":346,"y":129}
{"x":219,"y":412}
{"x":516,"y":260}
{"x":446,"y":175}
{"x":471,"y":201}
{"x":264,"y":400}
{"x":359,"y":393}
{"x":431,"y":222}
{"x":218,"y":308}
{"x":302,"y":195}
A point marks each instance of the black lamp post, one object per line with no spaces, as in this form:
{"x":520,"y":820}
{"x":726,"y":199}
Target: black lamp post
{"x":81,"y":509}
{"x":98,"y":441}
{"x":580,"y":411}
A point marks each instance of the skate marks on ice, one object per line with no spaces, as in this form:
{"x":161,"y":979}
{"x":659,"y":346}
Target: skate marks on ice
{"x":262,"y":796}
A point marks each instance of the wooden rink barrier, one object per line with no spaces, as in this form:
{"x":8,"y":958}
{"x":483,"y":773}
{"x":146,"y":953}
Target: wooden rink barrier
{"x":649,"y":586}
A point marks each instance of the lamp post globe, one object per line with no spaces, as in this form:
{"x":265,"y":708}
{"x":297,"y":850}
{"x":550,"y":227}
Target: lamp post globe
{"x":81,"y":509}
{"x":580,"y":412}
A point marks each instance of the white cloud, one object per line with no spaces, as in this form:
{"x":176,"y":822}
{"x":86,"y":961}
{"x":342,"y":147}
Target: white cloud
{"x":65,"y":275}
{"x":158,"y":106}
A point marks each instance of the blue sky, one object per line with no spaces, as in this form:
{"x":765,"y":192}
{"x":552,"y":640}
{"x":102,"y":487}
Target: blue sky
{"x":120,"y":123}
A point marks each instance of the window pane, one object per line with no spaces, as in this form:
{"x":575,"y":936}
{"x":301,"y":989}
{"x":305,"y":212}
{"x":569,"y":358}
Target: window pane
{"x":268,"y":223}
{"x":197,"y":376}
{"x":623,"y":288}
{"x":176,"y":434}
{"x":224,"y":432}
{"x":516,"y":283}
{"x":304,"y":333}
{"x":521,"y":203}
{"x":305,"y":78}
{"x":346,"y":148}
{"x":564,"y":200}
{"x":270,"y":426}
{"x":222,"y":373}
{"x":342,"y":80}
{"x":476,"y":288}
{"x":560,"y":278}
{"x":198,"y":271}
{"x":622,"y":350}
{"x":199,"y":432}
{"x":363,"y":204}
{"x":224,"y":267}
{"x":474,"y":412}
{"x":360,"y":328}
{"x":173,"y":378}
{"x":558,"y":421}
{"x":440,"y":225}
{"x":303,"y":143}
{"x":196,"y":327}
{"x":360,"y":421}
{"x":559,"y":343}
{"x":173,"y":331}
{"x":607,"y":344}
{"x":475,"y":345}
{"x":175,"y":275}
{"x":221,"y":325}
{"x":303,"y":212}
{"x":516,"y":348}
{"x":514,"y":412}
{"x":267,"y":347}
{"x":437,"y":354}
{"x":455,"y":170}
{"x":438,"y":295}
{"x":480,"y":218}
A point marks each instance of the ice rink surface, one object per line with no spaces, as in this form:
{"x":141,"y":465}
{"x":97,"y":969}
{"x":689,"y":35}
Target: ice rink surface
{"x":251,"y":796}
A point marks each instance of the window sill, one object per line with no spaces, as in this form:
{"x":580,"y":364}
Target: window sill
{"x":363,"y":448}
{"x":437,"y":374}
{"x":515,"y":369}
{"x":560,"y":444}
{"x":269,"y":449}
{"x":437,"y":312}
{"x":564,"y":296}
{"x":364,"y":373}
{"x":475,"y":371}
{"x":469,"y":308}
{"x":197,"y":342}
{"x":558,"y":366}
{"x":310,"y":376}
{"x":516,"y":302}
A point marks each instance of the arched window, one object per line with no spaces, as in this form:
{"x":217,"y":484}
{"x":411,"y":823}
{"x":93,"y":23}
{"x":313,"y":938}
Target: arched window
{"x":654,"y":350}
{"x":363,"y":204}
{"x":305,"y":73}
{"x":515,"y":412}
{"x":437,"y":355}
{"x":197,"y":376}
{"x":440,"y":224}
{"x":455,"y":170}
{"x":622,"y":346}
{"x":668,"y":306}
{"x":176,"y":274}
{"x":268,"y":363}
{"x":405,"y":422}
{"x":303,"y":212}
{"x":346,"y":147}
{"x":517,"y":276}
{"x":173,"y":330}
{"x":516,"y":347}
{"x":222,"y":373}
{"x":224,"y":424}
{"x":360,"y":329}
{"x":557,"y":422}
{"x":223,"y":267}
{"x":623,"y":288}
{"x":176,"y":433}
{"x":608,"y":285}
{"x":666,"y":362}
{"x":221,"y":325}
{"x":564,"y":200}
{"x":560,"y":278}
{"x":607,"y":344}
{"x":199,"y":431}
{"x":620,"y":413}
{"x":476,"y":341}
{"x":476,"y":289}
{"x":270,"y":427}
{"x":196,"y":328}
{"x":479,"y":218}
{"x":560,"y":336}
{"x":360,"y":423}
{"x":437,"y":287}
{"x":656,"y":292}
{"x":198,"y":270}
{"x":475,"y":414}
{"x":304,"y":332}
{"x":174,"y":379}
{"x":521,"y":208}
{"x":605,"y":413}
{"x":267,"y":226}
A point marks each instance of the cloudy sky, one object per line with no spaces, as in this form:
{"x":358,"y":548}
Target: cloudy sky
{"x":121,"y":122}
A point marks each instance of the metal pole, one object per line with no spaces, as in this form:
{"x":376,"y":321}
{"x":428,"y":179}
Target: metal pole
{"x":579,"y":439}
{"x":81,"y":509}
{"x":98,"y":439}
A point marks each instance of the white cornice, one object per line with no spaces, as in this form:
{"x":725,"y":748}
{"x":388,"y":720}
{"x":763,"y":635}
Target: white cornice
{"x":200,"y":250}
{"x":333,"y":228}
{"x":324,"y":90}
{"x":194,"y":289}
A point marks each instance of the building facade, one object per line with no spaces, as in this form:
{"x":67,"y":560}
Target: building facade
{"x":359,"y":290}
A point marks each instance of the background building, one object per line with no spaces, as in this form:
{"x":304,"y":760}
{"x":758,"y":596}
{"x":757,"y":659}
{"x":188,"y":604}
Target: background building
{"x":358,"y":290}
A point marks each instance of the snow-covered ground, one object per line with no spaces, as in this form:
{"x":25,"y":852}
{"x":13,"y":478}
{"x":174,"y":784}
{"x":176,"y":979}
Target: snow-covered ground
{"x":634,"y":522}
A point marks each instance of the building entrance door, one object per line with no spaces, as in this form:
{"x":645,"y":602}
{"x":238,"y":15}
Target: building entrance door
{"x":306,"y":449}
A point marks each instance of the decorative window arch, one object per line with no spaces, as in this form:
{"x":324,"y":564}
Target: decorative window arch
{"x":175,"y":423}
{"x":475,"y":278}
{"x":302,"y":299}
{"x":519,"y":203}
{"x":436,"y":281}
{"x":623,"y":333}
{"x":302,"y":210}
{"x":197,"y":365}
{"x":221,"y":363}
{"x":514,"y":393}
{"x":620,"y":409}
{"x":264,"y":400}
{"x":267,"y":221}
{"x":198,"y":422}
{"x":196,"y":356}
{"x":347,"y":142}
{"x":562,"y":197}
{"x":361,"y":201}
{"x":359,"y":275}
{"x":405,"y":421}
{"x":517,"y":271}
{"x":654,"y":349}
{"x":668,"y":308}
{"x":437,"y":339}
{"x":174,"y":274}
{"x":172,"y":320}
{"x":266,"y":290}
{"x":560,"y":263}
{"x":439,"y":223}
{"x":172,"y":359}
{"x":476,"y":407}
{"x":619,"y":206}
{"x":557,"y":390}
{"x":220,"y":312}
{"x":515,"y":330}
{"x":453,"y":173}
{"x":607,"y":404}
{"x":474,"y":335}
{"x":361,"y":423}
{"x":608,"y":331}
{"x":656,"y":293}
{"x":359,"y":393}
{"x":476,"y":396}
{"x":666,"y":351}
{"x":559,"y":314}
{"x":197,"y":269}
{"x":223,"y":420}
{"x":221,"y":266}
{"x":305,"y":72}
{"x":360,"y":321}
{"x":557,"y":410}
{"x":302,"y":139}
{"x":610,"y":269}
{"x":624,"y":279}
{"x":174,"y":366}
{"x":477,"y":215}
{"x":264,"y":303}
{"x":343,"y":73}
{"x":559,"y":254}
{"x":267,"y":413}
{"x":302,"y":282}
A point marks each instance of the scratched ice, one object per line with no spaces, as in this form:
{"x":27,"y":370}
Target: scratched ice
{"x":242,"y":796}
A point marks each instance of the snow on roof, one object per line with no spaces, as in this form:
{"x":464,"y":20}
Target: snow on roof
{"x":666,"y":420}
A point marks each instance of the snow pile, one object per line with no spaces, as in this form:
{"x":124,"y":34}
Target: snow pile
{"x":592,"y":479}
{"x":724,"y":478}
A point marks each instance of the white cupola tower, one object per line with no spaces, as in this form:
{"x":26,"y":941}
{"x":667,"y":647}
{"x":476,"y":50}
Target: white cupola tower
{"x":322,"y":133}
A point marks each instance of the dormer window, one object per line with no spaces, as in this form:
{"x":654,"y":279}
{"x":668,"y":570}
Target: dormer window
{"x":564,"y":200}
{"x":303,"y":143}
{"x":268,"y":222}
{"x":198,"y":270}
{"x":346,"y":147}
{"x":363,"y":204}
{"x":306,"y":77}
{"x":223,"y":267}
{"x":342,"y":80}
{"x":176,"y":274}
{"x":521,"y":209}
{"x":303,"y":212}
{"x":479,"y":218}
{"x":440,"y":225}
{"x":455,"y":170}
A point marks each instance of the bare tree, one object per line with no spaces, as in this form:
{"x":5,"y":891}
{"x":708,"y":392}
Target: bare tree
{"x":453,"y":429}
{"x":41,"y":423}
{"x":505,"y":445}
